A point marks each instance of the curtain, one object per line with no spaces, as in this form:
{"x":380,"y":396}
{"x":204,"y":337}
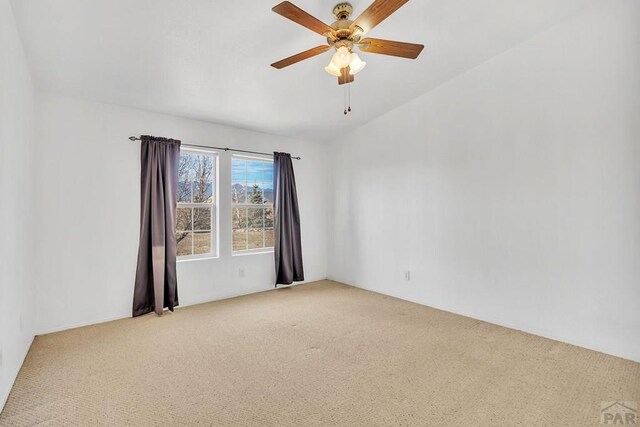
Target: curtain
{"x":156,"y":284}
{"x":288,"y":249}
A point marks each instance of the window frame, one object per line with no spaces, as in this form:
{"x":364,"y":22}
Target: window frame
{"x":215,"y":209}
{"x":254,"y":251}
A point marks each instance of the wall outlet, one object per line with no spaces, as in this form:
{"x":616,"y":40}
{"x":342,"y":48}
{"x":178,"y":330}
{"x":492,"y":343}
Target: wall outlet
{"x":241,"y":272}
{"x":0,"y":360}
{"x":407,"y":275}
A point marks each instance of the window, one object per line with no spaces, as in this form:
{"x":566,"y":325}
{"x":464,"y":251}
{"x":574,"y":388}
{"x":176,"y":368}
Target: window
{"x":197,"y":210}
{"x":251,"y":204}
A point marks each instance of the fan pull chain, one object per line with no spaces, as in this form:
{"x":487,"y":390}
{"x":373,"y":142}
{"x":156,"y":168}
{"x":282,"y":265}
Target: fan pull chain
{"x":347,"y":99}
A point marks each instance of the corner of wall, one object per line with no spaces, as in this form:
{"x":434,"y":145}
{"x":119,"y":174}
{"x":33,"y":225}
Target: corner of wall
{"x":17,"y":151}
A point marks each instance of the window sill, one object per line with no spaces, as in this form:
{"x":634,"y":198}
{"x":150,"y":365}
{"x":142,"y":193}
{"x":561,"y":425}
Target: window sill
{"x":253,"y":252}
{"x":197,"y":258}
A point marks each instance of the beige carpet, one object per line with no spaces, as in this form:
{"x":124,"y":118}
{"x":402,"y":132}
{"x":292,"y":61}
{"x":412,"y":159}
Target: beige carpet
{"x":316,"y":354}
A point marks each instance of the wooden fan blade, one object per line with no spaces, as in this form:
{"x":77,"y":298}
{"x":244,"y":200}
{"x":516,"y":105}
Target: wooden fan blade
{"x":377,"y":12}
{"x":390,"y":47}
{"x":293,"y":12}
{"x":300,"y":56}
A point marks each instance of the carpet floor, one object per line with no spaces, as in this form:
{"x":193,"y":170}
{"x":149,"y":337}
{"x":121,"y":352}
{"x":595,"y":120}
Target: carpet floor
{"x":316,"y":354}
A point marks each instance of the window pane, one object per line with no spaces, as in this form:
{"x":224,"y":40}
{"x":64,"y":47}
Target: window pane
{"x":256,"y":239}
{"x":268,"y":192}
{"x":202,"y":242}
{"x":268,"y":217}
{"x":238,"y":194}
{"x":196,"y":184}
{"x":254,"y":195}
{"x":184,"y":240}
{"x":238,"y":178}
{"x":238,"y":169}
{"x":184,"y":192}
{"x":268,"y":173}
{"x":252,"y":184}
{"x":268,"y":238}
{"x":202,"y":219}
{"x":201,"y":173}
{"x":239,"y":218}
{"x":254,"y":171}
{"x":239,"y":240}
{"x":188,"y":167}
{"x":183,"y":219}
{"x":202,"y":192}
{"x":185,"y":167}
{"x":255,"y":218}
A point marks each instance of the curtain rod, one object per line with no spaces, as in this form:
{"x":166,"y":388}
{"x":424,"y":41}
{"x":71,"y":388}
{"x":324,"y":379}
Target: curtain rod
{"x":135,"y":138}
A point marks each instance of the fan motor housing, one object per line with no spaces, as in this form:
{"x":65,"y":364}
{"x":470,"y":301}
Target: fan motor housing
{"x":342,"y":11}
{"x":343,"y":35}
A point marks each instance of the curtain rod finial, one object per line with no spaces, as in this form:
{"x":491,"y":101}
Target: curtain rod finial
{"x":133,"y":138}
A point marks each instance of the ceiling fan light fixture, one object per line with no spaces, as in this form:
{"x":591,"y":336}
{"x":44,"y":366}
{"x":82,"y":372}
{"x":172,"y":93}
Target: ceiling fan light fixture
{"x":341,"y":58}
{"x":356,"y":65}
{"x":332,"y":69}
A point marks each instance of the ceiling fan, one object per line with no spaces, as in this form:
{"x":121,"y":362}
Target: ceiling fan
{"x":343,"y":35}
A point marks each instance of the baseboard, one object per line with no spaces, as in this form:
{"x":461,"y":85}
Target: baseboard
{"x":75,"y":325}
{"x":5,"y":393}
{"x":623,"y":355}
{"x":80,"y":324}
{"x":542,"y":334}
{"x":242,"y":294}
{"x":475,"y":316}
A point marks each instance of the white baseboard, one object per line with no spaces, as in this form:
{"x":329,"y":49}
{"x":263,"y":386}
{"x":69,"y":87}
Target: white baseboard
{"x":74,"y":325}
{"x":489,"y":319}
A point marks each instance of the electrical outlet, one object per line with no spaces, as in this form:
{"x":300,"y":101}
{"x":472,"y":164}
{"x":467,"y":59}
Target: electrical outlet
{"x":21,"y":323}
{"x":241,"y":272}
{"x":407,"y":275}
{"x":0,"y":360}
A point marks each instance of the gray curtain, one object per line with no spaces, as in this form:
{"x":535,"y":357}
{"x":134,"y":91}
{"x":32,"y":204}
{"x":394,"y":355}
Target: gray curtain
{"x":288,"y":249}
{"x":155,"y":286}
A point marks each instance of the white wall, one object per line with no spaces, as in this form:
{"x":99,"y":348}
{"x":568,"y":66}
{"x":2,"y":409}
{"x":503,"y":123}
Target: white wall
{"x":511,"y":193}
{"x":89,"y":211}
{"x":17,"y":202}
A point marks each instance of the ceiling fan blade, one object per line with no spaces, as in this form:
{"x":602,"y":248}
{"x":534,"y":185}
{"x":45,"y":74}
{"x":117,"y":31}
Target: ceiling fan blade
{"x":300,"y":56}
{"x":390,"y":47}
{"x":377,"y":12}
{"x":293,"y":12}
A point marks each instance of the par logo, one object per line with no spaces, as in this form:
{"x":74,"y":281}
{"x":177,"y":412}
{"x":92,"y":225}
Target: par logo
{"x":619,"y":413}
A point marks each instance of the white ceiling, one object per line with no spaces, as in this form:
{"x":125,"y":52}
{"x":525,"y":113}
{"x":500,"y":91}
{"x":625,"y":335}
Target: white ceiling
{"x":209,"y":60}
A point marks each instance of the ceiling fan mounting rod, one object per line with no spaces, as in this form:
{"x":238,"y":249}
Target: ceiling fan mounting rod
{"x":342,"y":11}
{"x":342,"y":30}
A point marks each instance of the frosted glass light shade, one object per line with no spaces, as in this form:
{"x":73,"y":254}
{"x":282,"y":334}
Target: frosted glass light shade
{"x":332,"y":69}
{"x":342,"y":57}
{"x":356,"y":64}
